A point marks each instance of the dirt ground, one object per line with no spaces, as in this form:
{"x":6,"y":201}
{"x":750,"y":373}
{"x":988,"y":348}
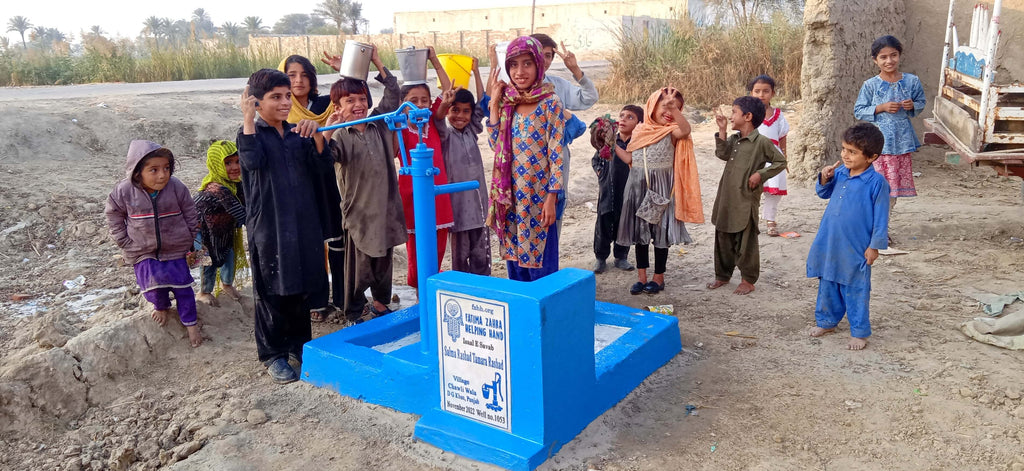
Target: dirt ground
{"x":87,"y":381}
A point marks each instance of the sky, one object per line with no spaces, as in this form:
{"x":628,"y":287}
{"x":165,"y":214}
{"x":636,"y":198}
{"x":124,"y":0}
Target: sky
{"x":124,"y":18}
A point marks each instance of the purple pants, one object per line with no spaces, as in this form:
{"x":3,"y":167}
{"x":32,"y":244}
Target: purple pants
{"x":158,"y":280}
{"x":186,"y":298}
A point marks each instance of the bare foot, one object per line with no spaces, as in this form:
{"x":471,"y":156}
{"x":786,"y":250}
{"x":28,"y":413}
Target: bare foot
{"x":820,"y":331}
{"x":857,"y":343}
{"x":717,"y":284}
{"x":318,"y":316}
{"x":160,"y":317}
{"x":194,"y":336}
{"x":744,"y":288}
{"x":231,"y":292}
{"x":207,"y":299}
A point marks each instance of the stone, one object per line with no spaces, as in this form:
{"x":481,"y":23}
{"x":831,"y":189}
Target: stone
{"x":121,"y":458}
{"x":1018,"y":412}
{"x":148,"y":450}
{"x":986,"y":399}
{"x":256,"y":417}
{"x":73,"y":464}
{"x":186,"y":449}
{"x":1012,"y":394}
{"x":238,"y":416}
{"x":1017,"y":467}
{"x":966,"y":392}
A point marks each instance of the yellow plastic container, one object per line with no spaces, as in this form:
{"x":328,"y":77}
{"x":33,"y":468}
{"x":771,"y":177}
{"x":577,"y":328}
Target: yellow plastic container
{"x":458,"y":67}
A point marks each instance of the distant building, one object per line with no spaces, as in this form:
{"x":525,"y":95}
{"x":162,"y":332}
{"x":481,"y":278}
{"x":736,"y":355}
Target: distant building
{"x":589,"y":28}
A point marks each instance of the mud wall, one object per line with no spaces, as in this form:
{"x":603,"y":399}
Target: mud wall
{"x":837,"y":60}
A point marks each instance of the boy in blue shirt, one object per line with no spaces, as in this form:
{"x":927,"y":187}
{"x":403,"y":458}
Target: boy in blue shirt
{"x":854,"y":227}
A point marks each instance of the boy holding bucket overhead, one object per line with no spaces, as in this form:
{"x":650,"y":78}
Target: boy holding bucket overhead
{"x":371,"y":208}
{"x":470,"y":238}
{"x":416,"y":91}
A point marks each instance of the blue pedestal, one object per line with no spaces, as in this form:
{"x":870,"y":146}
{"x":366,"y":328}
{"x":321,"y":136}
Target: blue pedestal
{"x":525,"y":366}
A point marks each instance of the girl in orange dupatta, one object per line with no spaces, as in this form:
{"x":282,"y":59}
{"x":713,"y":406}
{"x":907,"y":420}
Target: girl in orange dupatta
{"x":663,"y":140}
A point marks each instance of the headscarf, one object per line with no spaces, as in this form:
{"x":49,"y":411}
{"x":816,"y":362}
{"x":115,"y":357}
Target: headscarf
{"x":501,"y":179}
{"x":215,"y":156}
{"x":299,"y":112}
{"x":686,"y":187}
{"x":602,"y":135}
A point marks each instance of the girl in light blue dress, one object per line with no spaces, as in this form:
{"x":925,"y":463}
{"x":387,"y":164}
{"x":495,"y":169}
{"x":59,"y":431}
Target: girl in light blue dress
{"x":889,"y":100}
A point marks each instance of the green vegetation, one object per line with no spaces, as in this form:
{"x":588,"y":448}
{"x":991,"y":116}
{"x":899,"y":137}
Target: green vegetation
{"x":711,"y":65}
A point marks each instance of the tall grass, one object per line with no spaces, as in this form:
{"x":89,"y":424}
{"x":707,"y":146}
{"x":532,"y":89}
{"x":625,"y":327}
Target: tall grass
{"x":125,"y":61}
{"x":710,"y":65}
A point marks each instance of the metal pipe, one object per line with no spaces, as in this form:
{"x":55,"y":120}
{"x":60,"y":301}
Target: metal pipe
{"x":456,"y":187}
{"x":990,"y":69}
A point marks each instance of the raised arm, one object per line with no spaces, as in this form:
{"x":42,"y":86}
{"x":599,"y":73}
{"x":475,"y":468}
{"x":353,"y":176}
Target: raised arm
{"x":584,"y":95}
{"x":442,"y":76}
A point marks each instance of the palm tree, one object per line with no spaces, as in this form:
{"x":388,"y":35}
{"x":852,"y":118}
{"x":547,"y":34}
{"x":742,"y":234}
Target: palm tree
{"x":202,"y":23}
{"x":152,"y":26}
{"x":355,"y":15}
{"x":335,"y":10}
{"x":19,"y":24}
{"x":95,"y":30}
{"x":232,"y":32}
{"x":254,"y":25}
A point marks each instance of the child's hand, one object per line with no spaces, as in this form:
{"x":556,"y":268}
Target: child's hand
{"x":888,"y":107}
{"x":907,"y":104}
{"x":720,"y":120}
{"x":448,"y":96}
{"x":828,"y":172}
{"x":306,"y":128}
{"x":568,"y":58}
{"x":431,"y":54}
{"x":549,"y":211}
{"x":248,"y":104}
{"x":497,"y":91}
{"x":871,"y":255}
{"x":333,"y":61}
{"x":374,"y":56}
{"x":492,"y":57}
{"x":754,"y":180}
{"x":476,"y":66}
{"x":214,"y":186}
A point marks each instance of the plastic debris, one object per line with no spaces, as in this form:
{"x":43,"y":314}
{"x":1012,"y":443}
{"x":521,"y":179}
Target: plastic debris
{"x":1016,"y":240}
{"x":74,"y":284}
{"x":917,"y":174}
{"x":714,"y":446}
{"x":919,"y":392}
{"x":665,"y":309}
{"x":789,"y":235}
{"x":21,"y":296}
{"x":74,"y":121}
{"x":691,"y":409}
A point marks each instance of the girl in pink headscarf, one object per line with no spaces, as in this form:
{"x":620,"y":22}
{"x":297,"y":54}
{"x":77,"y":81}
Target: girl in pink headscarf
{"x":526,"y":124}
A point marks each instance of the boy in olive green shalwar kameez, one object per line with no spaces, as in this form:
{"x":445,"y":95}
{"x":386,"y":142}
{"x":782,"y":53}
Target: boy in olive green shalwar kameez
{"x":746,"y":155}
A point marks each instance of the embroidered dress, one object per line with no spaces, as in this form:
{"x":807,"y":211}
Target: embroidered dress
{"x":900,"y":139}
{"x":633,"y":230}
{"x":442,"y":203}
{"x":536,"y":170}
{"x":775,"y":127}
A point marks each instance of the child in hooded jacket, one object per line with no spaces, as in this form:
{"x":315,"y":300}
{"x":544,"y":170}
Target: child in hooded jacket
{"x":153,"y":219}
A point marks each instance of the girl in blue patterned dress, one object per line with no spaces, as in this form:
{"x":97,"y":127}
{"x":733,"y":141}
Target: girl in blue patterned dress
{"x":889,"y":100}
{"x":526,"y":124}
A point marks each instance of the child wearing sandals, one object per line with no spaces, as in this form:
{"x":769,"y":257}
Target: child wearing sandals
{"x":220,"y":204}
{"x":774,"y":127}
{"x":153,"y":220}
{"x":660,"y":154}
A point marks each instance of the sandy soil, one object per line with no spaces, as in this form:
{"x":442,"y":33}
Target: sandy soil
{"x":87,"y":381}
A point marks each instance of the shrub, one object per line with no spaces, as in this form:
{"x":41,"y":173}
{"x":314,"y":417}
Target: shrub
{"x":710,"y":64}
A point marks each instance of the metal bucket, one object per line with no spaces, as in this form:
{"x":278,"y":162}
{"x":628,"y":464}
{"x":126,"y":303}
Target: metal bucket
{"x":355,"y":60}
{"x":502,"y":50}
{"x":413,"y":64}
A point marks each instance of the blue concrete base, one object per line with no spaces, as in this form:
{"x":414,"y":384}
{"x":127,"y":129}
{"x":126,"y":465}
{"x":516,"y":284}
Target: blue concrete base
{"x":652,"y":340}
{"x":561,"y":376}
